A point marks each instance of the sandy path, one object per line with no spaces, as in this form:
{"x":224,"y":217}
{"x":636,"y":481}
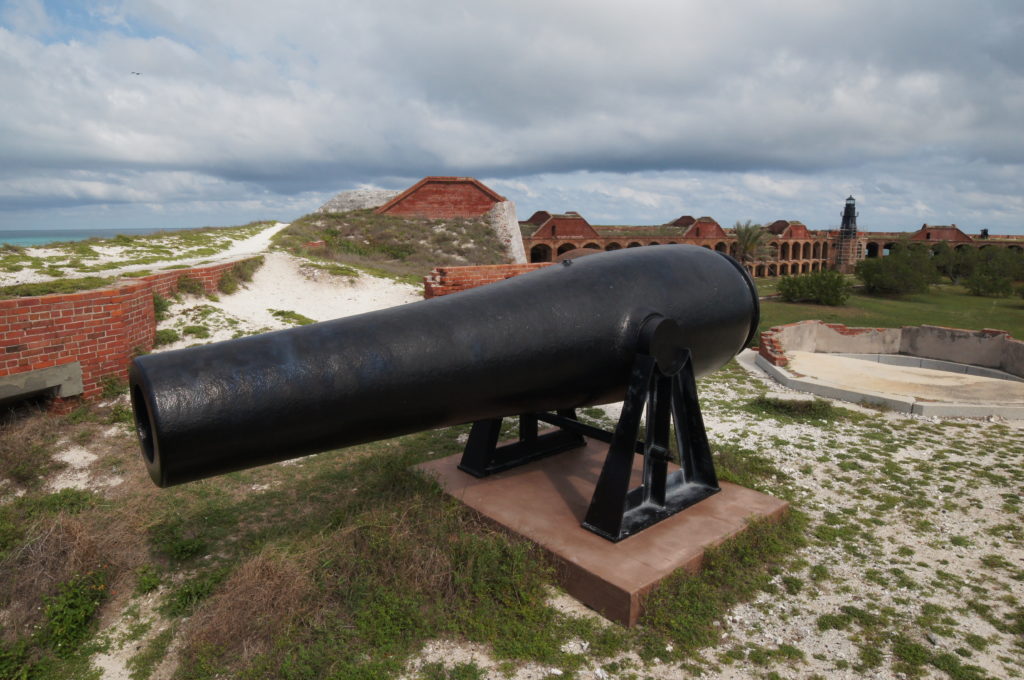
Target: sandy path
{"x":289,"y":284}
{"x":282,"y":283}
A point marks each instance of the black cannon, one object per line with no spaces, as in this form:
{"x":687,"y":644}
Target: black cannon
{"x":636,"y":324}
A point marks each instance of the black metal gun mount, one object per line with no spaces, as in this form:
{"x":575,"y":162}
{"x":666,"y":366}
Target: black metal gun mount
{"x":661,"y":380}
{"x":636,"y":324}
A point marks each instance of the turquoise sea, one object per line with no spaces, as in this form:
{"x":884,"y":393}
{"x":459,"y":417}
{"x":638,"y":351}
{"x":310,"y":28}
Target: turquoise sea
{"x":40,"y":237}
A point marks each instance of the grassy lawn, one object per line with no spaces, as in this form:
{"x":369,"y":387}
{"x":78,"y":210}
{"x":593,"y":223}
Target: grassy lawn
{"x":350,"y":565}
{"x":944,"y":306}
{"x":767,"y":286}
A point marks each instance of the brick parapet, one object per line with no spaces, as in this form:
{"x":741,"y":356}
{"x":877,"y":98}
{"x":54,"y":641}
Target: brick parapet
{"x":101,"y":329}
{"x":448,"y":280}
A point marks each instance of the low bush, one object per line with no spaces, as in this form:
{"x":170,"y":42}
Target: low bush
{"x":160,"y":306}
{"x":823,"y":288}
{"x":228,"y":283}
{"x":165,"y":336}
{"x":113,"y":385}
{"x":191,"y":286}
{"x":245,"y":269}
{"x":69,"y":614}
{"x":231,"y":279}
{"x":906,"y":270}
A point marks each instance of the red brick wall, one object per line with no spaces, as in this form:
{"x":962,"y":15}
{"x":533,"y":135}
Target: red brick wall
{"x":566,"y":227}
{"x":102,"y":329}
{"x":442,"y":200}
{"x":447,"y":280}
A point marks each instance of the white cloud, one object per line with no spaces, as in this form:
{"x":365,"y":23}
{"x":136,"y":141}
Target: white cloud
{"x":711,"y":103}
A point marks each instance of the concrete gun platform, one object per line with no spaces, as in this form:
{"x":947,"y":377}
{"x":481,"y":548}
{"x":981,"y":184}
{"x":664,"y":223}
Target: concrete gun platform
{"x":545,"y":502}
{"x":906,"y":384}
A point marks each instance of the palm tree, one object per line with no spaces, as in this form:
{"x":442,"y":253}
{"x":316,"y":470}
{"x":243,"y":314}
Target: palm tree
{"x":751,"y":242}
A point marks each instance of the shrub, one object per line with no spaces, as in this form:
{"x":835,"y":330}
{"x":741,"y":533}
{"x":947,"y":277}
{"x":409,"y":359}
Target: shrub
{"x":995,"y":272}
{"x":160,"y":306}
{"x":69,"y":614}
{"x":228,"y":283}
{"x":241,"y":271}
{"x":166,"y":336}
{"x":113,"y":385}
{"x":196,"y":331}
{"x":191,"y":286}
{"x":245,"y":269}
{"x":823,"y":288}
{"x":905,"y":270}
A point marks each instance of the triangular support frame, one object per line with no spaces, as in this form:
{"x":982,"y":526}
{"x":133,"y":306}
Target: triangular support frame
{"x":662,"y":380}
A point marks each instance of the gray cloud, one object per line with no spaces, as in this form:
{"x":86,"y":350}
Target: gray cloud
{"x":782,"y":106}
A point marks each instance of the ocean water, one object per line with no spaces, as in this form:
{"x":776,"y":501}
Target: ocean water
{"x":40,"y":237}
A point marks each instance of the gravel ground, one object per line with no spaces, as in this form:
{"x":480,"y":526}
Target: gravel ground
{"x":915,"y":561}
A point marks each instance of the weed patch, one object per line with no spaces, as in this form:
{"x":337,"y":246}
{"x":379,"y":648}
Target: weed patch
{"x":191,"y":286}
{"x":800,"y":409}
{"x":291,"y":317}
{"x":166,"y":336}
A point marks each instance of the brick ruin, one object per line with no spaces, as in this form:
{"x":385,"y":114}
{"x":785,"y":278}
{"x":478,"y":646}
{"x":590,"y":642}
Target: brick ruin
{"x":70,"y":343}
{"x":443,"y":198}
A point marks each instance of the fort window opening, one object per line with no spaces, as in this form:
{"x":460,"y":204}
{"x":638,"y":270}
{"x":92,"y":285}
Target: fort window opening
{"x":540,"y":253}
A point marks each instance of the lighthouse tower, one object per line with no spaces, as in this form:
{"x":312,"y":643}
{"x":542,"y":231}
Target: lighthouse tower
{"x":847,"y":251}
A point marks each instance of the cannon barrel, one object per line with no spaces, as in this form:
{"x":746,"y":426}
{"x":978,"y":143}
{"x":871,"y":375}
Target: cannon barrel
{"x":560,"y":337}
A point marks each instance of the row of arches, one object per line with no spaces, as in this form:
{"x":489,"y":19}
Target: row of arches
{"x":542,"y":252}
{"x":817,"y":250}
{"x":785,"y":269}
{"x":815,"y":253}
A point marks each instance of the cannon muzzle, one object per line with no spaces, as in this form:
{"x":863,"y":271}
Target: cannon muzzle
{"x":558,"y":338}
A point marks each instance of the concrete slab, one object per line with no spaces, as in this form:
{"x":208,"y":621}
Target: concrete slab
{"x":65,"y":380}
{"x":901,"y":388}
{"x":546,"y":501}
{"x":922,"y":384}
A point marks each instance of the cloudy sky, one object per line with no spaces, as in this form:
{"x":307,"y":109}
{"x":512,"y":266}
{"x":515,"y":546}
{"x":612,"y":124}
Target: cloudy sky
{"x":193,"y":112}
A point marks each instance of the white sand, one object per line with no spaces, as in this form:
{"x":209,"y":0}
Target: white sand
{"x":285,"y":283}
{"x":237,"y":250}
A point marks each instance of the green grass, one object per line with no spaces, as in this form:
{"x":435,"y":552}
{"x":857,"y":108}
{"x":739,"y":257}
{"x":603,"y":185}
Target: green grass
{"x":344,"y":564}
{"x":166,"y":336}
{"x":944,"y":305}
{"x":684,"y":608}
{"x":59,"y":286}
{"x":292,"y":317}
{"x":788,"y":410}
{"x":398,"y":246}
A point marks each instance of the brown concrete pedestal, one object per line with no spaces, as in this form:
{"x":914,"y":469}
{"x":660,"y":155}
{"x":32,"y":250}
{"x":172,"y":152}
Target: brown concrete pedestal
{"x":546,"y":500}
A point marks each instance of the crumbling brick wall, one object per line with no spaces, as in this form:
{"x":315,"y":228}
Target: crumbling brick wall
{"x":101,"y":329}
{"x":448,"y":280}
